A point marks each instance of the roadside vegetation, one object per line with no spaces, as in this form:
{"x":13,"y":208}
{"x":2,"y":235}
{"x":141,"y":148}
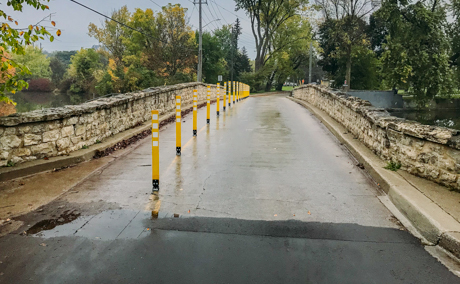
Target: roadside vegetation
{"x":412,"y":47}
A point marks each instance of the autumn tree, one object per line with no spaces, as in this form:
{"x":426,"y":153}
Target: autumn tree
{"x":173,"y":52}
{"x":112,"y":35}
{"x":14,"y":36}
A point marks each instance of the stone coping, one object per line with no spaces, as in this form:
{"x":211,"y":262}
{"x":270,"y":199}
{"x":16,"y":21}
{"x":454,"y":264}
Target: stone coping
{"x":89,"y":107}
{"x":383,"y":119}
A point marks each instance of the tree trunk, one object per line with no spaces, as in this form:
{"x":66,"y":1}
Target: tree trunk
{"x":279,"y":86}
{"x":269,"y":84}
{"x":258,"y":63}
{"x":348,"y":72}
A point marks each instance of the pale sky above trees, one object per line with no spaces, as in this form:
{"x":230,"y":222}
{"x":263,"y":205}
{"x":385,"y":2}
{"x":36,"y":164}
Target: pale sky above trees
{"x":73,"y":20}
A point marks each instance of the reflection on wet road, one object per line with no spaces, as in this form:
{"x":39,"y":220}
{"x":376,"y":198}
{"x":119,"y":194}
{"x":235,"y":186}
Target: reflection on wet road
{"x":264,"y":194}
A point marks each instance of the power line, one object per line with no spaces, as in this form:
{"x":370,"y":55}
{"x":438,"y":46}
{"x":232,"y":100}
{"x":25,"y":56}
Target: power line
{"x":125,"y":25}
{"x":155,"y":3}
{"x":232,"y":13}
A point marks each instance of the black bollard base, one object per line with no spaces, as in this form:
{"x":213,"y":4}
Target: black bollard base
{"x":207,"y":121}
{"x":155,"y":185}
{"x":194,"y":133}
{"x":178,"y":151}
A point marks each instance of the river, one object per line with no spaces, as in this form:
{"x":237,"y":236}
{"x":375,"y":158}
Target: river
{"x":28,"y":101}
{"x":442,"y":117}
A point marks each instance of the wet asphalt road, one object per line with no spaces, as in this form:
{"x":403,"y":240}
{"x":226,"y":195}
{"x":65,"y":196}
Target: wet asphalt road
{"x":265,"y":194}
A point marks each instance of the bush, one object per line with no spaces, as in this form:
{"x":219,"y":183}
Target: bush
{"x":40,"y":85}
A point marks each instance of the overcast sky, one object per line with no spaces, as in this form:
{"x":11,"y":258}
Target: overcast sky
{"x":73,"y":20}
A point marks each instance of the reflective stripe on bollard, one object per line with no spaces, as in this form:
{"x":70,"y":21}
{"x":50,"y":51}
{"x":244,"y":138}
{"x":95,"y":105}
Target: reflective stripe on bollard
{"x":155,"y":151}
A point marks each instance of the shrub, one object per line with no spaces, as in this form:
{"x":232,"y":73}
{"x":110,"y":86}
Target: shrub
{"x":40,"y":85}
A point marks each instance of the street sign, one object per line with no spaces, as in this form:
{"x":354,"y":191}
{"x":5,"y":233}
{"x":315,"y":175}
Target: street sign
{"x":219,"y":78}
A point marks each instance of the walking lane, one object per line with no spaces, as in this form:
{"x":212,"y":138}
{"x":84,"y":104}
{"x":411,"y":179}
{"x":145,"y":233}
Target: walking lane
{"x":273,"y":198}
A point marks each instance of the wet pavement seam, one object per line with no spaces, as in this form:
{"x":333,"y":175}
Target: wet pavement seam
{"x":288,"y":237}
{"x":127,"y":224}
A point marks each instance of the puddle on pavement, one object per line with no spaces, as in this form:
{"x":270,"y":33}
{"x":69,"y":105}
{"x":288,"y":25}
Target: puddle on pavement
{"x":50,"y":224}
{"x":107,"y":225}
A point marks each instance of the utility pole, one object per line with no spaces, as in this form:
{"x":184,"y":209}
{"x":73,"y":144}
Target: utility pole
{"x":311,"y":59}
{"x":200,"y":44}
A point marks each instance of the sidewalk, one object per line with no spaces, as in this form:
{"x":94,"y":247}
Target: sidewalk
{"x":429,"y":210}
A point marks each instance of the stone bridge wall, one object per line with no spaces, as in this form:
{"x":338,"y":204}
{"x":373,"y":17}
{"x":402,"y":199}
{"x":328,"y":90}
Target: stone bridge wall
{"x":427,"y":151}
{"x":59,"y":131}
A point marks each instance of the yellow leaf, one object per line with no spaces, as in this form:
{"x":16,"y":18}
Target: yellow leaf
{"x":58,"y":32}
{"x":21,"y":33}
{"x":30,"y":27}
{"x":16,"y":22}
{"x":13,"y":91}
{"x":53,"y":23}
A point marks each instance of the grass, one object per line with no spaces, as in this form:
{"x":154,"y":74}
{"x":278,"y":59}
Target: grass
{"x":285,"y":88}
{"x":392,"y":166}
{"x":85,"y":147}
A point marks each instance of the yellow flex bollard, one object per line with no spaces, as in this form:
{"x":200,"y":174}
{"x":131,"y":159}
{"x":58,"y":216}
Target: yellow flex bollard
{"x":208,"y":106}
{"x":195,"y":108}
{"x":233,"y":92}
{"x":229,"y":93}
{"x":178,"y":126}
{"x":239,"y":92}
{"x":218,"y":98}
{"x":155,"y":151}
{"x":225,"y":96}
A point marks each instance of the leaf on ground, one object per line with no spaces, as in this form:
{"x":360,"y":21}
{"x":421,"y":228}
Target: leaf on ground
{"x":309,"y":213}
{"x":43,"y":244}
{"x":275,"y":215}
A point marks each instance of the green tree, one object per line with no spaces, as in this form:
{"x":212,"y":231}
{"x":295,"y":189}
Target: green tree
{"x":214,"y":63}
{"x":58,"y":69}
{"x":64,"y":56}
{"x":111,"y":35}
{"x":85,"y":70}
{"x":347,"y":22}
{"x":13,"y":40}
{"x":417,"y":52}
{"x":35,"y":61}
{"x":267,"y":17}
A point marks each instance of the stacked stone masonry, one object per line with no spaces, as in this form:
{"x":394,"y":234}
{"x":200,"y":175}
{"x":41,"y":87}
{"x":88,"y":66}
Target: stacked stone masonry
{"x":59,"y":131}
{"x":427,"y":151}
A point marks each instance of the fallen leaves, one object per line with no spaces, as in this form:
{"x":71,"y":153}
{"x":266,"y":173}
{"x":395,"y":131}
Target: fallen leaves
{"x":43,"y":244}
{"x":58,"y":33}
{"x":309,"y":213}
{"x":53,"y":23}
{"x":275,"y":215}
